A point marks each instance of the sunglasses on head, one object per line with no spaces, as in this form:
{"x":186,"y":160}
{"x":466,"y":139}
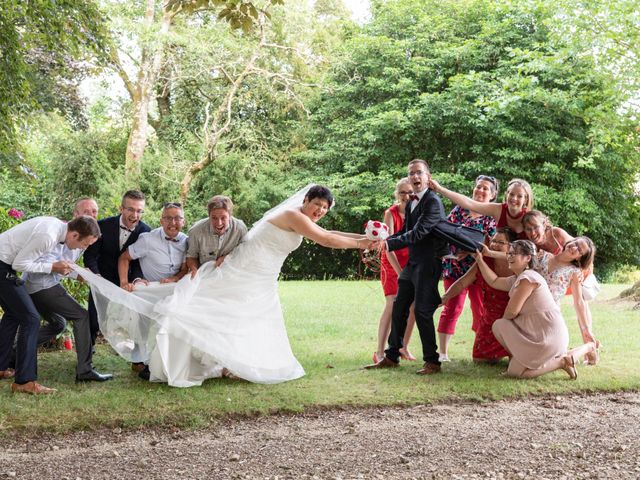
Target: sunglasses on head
{"x":487,"y":178}
{"x":172,"y":205}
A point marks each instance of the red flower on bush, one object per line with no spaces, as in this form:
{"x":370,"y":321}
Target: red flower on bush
{"x":17,"y":214}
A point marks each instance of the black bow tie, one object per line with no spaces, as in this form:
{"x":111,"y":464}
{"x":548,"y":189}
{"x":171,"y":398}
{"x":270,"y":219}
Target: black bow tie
{"x":125,"y":228}
{"x":171,"y":239}
{"x":413,"y":197}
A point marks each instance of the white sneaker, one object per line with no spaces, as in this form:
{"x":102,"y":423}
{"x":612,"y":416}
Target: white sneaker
{"x":443,"y":358}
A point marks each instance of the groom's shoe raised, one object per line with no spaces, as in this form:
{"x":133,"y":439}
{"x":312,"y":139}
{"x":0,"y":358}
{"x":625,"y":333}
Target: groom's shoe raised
{"x":93,"y":376}
{"x":384,"y":363}
{"x":429,"y":369}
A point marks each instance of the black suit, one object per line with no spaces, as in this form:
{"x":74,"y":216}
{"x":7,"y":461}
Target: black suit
{"x":418,"y":281}
{"x":102,"y":258}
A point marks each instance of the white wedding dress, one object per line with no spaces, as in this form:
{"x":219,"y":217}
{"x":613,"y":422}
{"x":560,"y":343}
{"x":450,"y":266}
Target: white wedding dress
{"x":229,"y":317}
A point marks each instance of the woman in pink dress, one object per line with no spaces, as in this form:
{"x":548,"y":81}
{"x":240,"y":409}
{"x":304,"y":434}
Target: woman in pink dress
{"x":532,"y":328}
{"x":391,"y":264}
{"x":564,"y":273}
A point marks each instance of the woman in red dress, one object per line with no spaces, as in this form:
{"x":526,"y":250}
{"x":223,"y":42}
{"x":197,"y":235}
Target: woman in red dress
{"x":518,"y":201}
{"x":485,"y":346}
{"x":391,"y":264}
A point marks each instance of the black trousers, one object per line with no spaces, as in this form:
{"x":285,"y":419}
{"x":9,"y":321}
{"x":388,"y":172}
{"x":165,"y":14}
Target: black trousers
{"x":21,"y":317}
{"x":418,"y":284}
{"x":56,"y":301}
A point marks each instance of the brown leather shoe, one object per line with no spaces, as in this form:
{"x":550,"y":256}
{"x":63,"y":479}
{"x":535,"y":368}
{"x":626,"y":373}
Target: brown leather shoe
{"x":8,"y":373}
{"x":33,"y":388}
{"x":384,"y":363}
{"x":429,"y":368}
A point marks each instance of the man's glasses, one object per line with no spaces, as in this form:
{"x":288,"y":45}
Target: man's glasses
{"x":402,"y":192}
{"x":133,"y":210}
{"x":173,"y":219}
{"x":500,"y":242}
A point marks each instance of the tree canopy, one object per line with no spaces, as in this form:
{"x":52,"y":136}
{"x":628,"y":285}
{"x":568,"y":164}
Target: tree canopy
{"x":542,"y":90}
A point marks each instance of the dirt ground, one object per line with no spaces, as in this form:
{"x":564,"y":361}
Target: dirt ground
{"x":569,"y":437}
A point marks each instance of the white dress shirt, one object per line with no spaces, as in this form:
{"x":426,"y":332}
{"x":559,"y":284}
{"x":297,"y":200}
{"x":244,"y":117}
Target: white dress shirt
{"x":159,"y":258}
{"x":24,"y":245}
{"x":125,"y":232}
{"x":414,"y":203}
{"x":36,"y":282}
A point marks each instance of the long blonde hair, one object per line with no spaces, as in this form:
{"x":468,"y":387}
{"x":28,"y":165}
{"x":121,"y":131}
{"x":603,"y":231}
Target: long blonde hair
{"x":519,"y":182}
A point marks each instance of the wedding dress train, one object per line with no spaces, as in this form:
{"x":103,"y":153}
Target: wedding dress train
{"x":224,"y":317}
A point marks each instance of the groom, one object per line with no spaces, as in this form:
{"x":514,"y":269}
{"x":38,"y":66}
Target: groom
{"x":418,"y":281}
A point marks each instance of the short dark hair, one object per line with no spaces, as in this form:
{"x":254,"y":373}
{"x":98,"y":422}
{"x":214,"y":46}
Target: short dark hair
{"x":507,"y":232}
{"x":84,"y":226}
{"x":319,"y":191}
{"x":419,"y":160}
{"x":220,"y":201}
{"x":133,"y":195}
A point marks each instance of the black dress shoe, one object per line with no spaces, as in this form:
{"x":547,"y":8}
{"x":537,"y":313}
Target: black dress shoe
{"x":145,"y":373}
{"x":93,"y":376}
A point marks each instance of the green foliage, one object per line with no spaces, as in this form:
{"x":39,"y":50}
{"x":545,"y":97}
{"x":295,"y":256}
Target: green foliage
{"x":483,"y":87}
{"x":38,"y":40}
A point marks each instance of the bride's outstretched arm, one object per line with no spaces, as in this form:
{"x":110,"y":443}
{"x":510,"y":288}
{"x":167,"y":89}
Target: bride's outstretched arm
{"x":295,"y":221}
{"x":357,"y":236}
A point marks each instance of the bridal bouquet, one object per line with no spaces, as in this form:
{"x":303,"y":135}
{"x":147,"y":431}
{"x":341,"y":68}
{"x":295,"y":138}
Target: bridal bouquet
{"x":375,"y":230}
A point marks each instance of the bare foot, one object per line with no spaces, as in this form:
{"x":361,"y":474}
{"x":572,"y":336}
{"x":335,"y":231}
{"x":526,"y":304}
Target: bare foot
{"x":405,"y":354}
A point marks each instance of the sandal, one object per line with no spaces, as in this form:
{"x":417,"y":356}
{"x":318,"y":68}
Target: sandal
{"x":570,"y":367}
{"x":593,"y":357}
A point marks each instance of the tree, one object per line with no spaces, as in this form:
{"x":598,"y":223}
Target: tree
{"x":148,"y":54}
{"x":38,"y":37}
{"x":483,"y":87}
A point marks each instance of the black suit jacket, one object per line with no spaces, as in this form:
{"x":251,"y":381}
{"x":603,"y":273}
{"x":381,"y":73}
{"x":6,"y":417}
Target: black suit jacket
{"x":417,"y":233}
{"x":102,"y":256}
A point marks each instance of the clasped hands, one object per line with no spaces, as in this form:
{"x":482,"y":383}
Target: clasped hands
{"x":61,"y":267}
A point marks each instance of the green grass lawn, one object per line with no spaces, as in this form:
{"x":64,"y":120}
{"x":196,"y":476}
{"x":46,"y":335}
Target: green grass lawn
{"x":332,"y":326}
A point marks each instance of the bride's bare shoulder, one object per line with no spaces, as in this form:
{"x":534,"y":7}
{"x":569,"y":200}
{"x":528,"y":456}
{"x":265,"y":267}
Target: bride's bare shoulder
{"x":287,"y":219}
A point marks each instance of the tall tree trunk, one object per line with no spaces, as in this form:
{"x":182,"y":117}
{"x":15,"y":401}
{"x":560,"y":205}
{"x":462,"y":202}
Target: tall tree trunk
{"x":142,"y":92}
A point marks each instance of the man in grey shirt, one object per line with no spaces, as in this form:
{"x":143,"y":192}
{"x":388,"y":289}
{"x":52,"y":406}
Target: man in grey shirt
{"x":213,"y":238}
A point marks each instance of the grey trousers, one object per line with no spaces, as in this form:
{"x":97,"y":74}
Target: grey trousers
{"x":56,"y":300}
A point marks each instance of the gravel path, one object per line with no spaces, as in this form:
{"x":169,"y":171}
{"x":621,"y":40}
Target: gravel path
{"x":572,"y":437}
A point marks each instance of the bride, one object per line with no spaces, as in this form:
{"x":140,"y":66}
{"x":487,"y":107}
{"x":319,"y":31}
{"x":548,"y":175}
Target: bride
{"x":225,"y":319}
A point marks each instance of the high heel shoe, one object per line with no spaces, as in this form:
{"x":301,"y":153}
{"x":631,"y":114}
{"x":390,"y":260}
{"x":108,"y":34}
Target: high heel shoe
{"x":570,"y":367}
{"x":377,"y":358}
